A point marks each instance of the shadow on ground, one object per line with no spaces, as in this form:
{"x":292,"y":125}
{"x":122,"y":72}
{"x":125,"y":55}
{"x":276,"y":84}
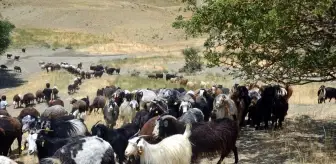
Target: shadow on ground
{"x":9,"y":79}
{"x":302,"y":140}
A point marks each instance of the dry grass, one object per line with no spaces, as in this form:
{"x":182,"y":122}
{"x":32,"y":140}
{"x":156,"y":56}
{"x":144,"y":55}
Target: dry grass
{"x":156,"y":63}
{"x":132,"y":83}
{"x":53,"y":38}
{"x":59,"y":78}
{"x":305,"y":94}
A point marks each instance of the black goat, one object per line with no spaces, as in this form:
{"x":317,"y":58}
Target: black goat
{"x":208,"y":138}
{"x":98,"y":73}
{"x":17,"y":69}
{"x":326,"y":93}
{"x":118,"y":138}
{"x":47,"y":146}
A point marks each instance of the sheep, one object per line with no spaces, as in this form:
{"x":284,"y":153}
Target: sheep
{"x":54,"y":112}
{"x":172,"y":150}
{"x":98,"y":102}
{"x":6,"y":160}
{"x":10,"y":128}
{"x":111,"y":113}
{"x":17,"y":100}
{"x":56,"y":102}
{"x":17,"y":69}
{"x":207,"y":138}
{"x":27,"y":99}
{"x":88,"y":150}
{"x":39,"y":96}
{"x":127,"y":111}
{"x":118,"y":138}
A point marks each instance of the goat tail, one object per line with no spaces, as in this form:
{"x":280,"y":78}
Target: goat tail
{"x":50,"y":161}
{"x":187,"y":131}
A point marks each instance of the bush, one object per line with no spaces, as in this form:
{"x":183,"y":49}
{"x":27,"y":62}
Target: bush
{"x":5,"y":30}
{"x":192,"y":59}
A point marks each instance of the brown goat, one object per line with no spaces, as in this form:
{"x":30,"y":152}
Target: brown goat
{"x":39,"y":96}
{"x":79,"y":105}
{"x":98,"y":102}
{"x":4,"y":113}
{"x":17,"y":100}
{"x":10,"y":128}
{"x":28,"y":99}
{"x":29,"y":111}
{"x":183,"y":82}
{"x":56,"y":102}
{"x":289,"y":90}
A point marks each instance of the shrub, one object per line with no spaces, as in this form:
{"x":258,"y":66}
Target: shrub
{"x":192,"y":59}
{"x":5,"y":30}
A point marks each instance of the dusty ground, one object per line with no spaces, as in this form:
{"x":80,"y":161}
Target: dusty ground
{"x":137,"y":27}
{"x":106,"y":31}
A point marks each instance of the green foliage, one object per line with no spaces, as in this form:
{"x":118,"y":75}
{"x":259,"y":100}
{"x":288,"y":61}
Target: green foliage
{"x":192,"y":60}
{"x":290,"y":42}
{"x":5,"y":30}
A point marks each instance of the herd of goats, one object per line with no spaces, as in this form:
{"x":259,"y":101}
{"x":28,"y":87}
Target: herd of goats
{"x":167,"y":125}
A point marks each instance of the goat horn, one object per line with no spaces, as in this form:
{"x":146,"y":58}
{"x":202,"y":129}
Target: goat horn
{"x":141,"y":136}
{"x":96,"y":123}
{"x":168,"y":116}
{"x":136,"y":133}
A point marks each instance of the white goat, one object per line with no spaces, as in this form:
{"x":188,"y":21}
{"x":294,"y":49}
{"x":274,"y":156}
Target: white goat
{"x":126,"y":111}
{"x":175,"y":149}
{"x":6,"y":160}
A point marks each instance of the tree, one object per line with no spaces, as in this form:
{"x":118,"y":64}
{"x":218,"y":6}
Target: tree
{"x":5,"y":29}
{"x":289,"y":42}
{"x":192,"y":59}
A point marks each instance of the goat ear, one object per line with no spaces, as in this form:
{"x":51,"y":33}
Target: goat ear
{"x":165,"y":123}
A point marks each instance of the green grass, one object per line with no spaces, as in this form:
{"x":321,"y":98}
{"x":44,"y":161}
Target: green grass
{"x":132,"y":83}
{"x":145,"y":64}
{"x":59,"y":78}
{"x":55,"y":39}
